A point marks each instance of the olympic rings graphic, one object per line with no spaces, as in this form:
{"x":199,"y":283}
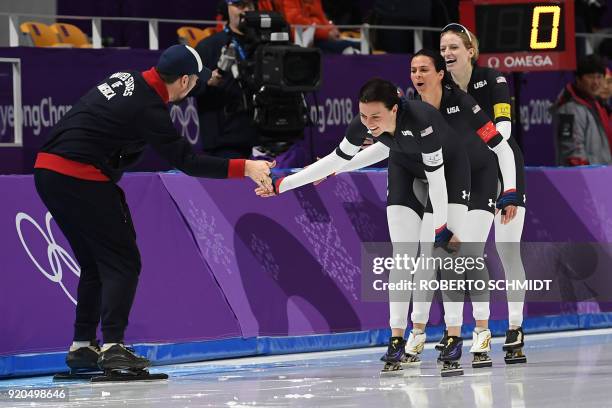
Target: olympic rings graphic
{"x":55,"y":253}
{"x":184,"y":119}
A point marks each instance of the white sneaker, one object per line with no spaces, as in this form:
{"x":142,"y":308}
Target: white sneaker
{"x":481,"y":342}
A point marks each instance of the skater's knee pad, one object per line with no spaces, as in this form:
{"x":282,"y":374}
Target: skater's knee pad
{"x":481,"y":310}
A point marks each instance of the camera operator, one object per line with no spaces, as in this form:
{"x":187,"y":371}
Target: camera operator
{"x":226,"y":123}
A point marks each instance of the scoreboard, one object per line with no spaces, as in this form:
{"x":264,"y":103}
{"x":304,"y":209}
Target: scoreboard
{"x":523,"y":35}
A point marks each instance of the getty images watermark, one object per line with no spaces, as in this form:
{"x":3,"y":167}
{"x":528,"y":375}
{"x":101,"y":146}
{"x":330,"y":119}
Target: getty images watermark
{"x":553,"y":272}
{"x":460,"y":265}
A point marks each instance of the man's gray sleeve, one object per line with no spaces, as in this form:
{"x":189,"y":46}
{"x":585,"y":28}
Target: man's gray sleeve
{"x":571,"y":134}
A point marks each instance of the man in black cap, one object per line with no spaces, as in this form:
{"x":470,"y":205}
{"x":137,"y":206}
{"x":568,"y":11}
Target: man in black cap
{"x":582,"y":128}
{"x":76,"y":173}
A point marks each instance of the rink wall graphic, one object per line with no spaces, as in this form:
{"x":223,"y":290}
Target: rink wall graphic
{"x":228,"y":274}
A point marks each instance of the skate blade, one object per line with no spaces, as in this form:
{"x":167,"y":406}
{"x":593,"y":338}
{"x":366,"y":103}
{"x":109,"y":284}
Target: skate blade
{"x":452,"y":372}
{"x":482,"y":364}
{"x":515,"y":360}
{"x":129,"y":376}
{"x":68,"y":376}
{"x":412,"y":361}
{"x":392,"y":369}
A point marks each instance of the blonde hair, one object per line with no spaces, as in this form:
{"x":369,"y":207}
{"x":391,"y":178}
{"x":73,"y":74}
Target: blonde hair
{"x":469,"y":41}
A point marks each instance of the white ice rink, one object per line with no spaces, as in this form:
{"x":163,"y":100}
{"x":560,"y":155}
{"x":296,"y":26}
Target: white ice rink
{"x":567,"y":369}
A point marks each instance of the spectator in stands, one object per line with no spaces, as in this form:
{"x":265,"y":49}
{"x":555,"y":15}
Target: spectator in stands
{"x":310,"y":12}
{"x":606,"y":91}
{"x":582,"y":126}
{"x":225,"y":120}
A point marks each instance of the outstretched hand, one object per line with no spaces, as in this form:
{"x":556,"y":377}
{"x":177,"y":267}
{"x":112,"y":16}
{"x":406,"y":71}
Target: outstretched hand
{"x":259,"y":172}
{"x":263,"y":192}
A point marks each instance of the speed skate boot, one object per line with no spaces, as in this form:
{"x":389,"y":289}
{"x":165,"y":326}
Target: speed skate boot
{"x":394,"y":356}
{"x":513,"y":346}
{"x":440,"y":346}
{"x":414,"y":346}
{"x":451,"y":356}
{"x":82,"y":361}
{"x":121,"y":363}
{"x":481,"y":347}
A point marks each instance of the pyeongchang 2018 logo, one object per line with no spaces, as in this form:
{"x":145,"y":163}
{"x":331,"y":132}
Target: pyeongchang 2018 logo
{"x":52,"y":268}
{"x":186,"y":120}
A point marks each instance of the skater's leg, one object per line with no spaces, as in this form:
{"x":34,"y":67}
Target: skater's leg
{"x":404,"y":224}
{"x":406,"y":200}
{"x":426,"y":272}
{"x":453,"y":299}
{"x":404,"y":212}
{"x":507,"y":239}
{"x":478,"y":231}
{"x":478,"y":227}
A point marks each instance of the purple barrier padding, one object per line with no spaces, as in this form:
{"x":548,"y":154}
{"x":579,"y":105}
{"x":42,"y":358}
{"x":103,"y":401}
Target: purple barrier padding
{"x":177,"y":299}
{"x":569,"y":204}
{"x":289,"y":265}
{"x":220,"y":262}
{"x":268,"y":238}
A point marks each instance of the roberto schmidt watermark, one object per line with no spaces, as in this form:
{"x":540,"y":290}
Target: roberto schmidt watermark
{"x":537,"y":272}
{"x":467,"y":284}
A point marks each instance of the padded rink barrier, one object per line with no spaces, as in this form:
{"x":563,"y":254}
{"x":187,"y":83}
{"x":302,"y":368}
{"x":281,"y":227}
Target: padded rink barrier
{"x":228,"y":274}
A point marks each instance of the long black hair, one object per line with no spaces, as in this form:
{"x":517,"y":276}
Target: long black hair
{"x":439,"y":65}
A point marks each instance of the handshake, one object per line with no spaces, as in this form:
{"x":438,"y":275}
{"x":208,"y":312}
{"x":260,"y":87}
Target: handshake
{"x":259,"y":172}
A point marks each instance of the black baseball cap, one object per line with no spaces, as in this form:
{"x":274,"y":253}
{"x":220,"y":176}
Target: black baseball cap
{"x":181,"y":59}
{"x":590,"y":64}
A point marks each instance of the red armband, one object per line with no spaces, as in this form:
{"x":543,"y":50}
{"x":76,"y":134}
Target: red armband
{"x":487,"y":132}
